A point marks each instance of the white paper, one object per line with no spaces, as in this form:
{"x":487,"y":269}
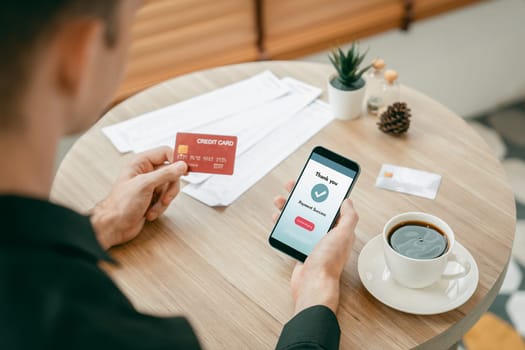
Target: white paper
{"x":406,"y":180}
{"x":164,"y":123}
{"x":256,"y":162}
{"x":253,"y":125}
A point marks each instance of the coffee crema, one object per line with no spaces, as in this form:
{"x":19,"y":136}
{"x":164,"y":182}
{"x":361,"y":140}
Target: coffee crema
{"x":418,"y":240}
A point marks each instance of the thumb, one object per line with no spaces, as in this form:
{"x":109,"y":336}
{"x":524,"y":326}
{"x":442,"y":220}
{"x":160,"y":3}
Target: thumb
{"x":164,"y":175}
{"x":347,"y":220}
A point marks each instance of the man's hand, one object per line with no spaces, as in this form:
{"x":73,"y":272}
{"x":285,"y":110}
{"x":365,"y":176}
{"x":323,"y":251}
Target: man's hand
{"x":316,"y":282}
{"x":142,"y":192}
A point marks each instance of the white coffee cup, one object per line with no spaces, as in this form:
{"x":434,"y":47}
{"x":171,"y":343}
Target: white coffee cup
{"x":420,"y":273}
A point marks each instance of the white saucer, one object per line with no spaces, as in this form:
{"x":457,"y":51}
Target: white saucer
{"x":440,"y":297}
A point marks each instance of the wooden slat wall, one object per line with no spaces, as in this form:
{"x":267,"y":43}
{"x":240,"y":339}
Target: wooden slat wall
{"x":297,"y":27}
{"x":294,"y":28}
{"x":172,"y":37}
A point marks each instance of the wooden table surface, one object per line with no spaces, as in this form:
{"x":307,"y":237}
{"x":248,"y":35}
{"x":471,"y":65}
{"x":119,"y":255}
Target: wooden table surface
{"x":215,"y":265}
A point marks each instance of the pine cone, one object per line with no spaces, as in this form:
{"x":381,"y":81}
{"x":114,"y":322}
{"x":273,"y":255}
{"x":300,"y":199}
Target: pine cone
{"x":396,"y":119}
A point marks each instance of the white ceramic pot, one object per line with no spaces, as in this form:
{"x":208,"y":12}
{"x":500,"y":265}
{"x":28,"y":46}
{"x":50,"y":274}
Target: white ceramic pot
{"x":346,"y":105}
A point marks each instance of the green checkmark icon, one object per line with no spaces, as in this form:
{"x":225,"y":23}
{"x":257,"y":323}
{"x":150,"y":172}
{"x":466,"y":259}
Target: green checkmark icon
{"x":319,"y":193}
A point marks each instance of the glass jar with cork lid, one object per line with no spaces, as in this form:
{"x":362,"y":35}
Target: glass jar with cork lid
{"x":390,"y":90}
{"x":374,"y":86}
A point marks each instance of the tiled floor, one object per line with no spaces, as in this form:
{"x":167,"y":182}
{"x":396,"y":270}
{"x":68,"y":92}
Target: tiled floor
{"x":504,"y":130}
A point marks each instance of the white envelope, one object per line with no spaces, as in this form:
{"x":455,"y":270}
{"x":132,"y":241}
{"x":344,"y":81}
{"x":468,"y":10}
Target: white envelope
{"x":154,"y":128}
{"x":251,"y":166}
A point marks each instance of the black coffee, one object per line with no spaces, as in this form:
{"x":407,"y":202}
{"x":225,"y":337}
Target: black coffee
{"x":418,"y":240}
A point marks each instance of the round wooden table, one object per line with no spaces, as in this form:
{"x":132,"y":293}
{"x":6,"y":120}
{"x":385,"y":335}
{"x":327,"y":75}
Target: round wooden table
{"x":215,"y":265}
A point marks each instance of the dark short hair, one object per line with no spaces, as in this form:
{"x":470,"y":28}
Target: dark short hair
{"x":24,"y":25}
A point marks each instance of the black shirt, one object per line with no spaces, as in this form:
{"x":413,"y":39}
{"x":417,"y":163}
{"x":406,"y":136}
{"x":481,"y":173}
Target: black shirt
{"x":54,"y":296}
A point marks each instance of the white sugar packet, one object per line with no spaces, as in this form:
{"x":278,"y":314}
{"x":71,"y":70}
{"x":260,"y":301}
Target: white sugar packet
{"x":411,"y":181}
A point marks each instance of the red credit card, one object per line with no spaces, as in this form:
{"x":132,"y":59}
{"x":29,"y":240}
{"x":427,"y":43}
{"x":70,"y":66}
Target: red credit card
{"x":214,"y":154}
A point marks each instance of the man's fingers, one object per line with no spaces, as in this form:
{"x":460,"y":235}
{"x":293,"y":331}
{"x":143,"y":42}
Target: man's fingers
{"x":164,"y":182}
{"x":298,"y":266}
{"x":296,"y":274}
{"x":347,"y":220}
{"x":171,"y":192}
{"x":279,"y":202}
{"x":348,"y":214}
{"x":157,"y":156}
{"x":158,"y":205}
{"x":289,"y":185}
{"x":148,"y":161}
{"x":155,"y":211}
{"x":169,"y":173}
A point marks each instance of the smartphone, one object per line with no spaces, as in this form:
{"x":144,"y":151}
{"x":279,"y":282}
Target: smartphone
{"x":313,"y":205}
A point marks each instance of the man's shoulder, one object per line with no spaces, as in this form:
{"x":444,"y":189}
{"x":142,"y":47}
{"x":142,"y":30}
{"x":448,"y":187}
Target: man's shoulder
{"x":49,"y":273}
{"x":43,"y":286}
{"x":52,"y":300}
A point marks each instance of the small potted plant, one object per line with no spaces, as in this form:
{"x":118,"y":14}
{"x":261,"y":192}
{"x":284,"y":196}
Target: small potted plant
{"x":346,"y":88}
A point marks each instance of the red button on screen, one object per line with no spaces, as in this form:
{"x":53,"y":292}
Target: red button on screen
{"x":307,"y":225}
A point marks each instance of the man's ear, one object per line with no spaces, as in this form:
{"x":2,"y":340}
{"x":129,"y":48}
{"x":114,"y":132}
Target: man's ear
{"x":77,"y":49}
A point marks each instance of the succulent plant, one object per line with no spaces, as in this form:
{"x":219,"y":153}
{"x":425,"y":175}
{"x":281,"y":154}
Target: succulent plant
{"x":349,"y":76}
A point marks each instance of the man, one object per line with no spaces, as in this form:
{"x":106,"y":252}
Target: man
{"x":61,"y":62}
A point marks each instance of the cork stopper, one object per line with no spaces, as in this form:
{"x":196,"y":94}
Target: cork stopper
{"x":391,"y":76}
{"x":378,"y":64}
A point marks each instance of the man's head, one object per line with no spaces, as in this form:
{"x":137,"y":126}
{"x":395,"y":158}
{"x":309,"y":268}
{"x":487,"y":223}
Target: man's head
{"x":72,"y":52}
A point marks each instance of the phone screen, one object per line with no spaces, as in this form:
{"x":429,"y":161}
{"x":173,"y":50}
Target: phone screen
{"x":314,"y":202}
